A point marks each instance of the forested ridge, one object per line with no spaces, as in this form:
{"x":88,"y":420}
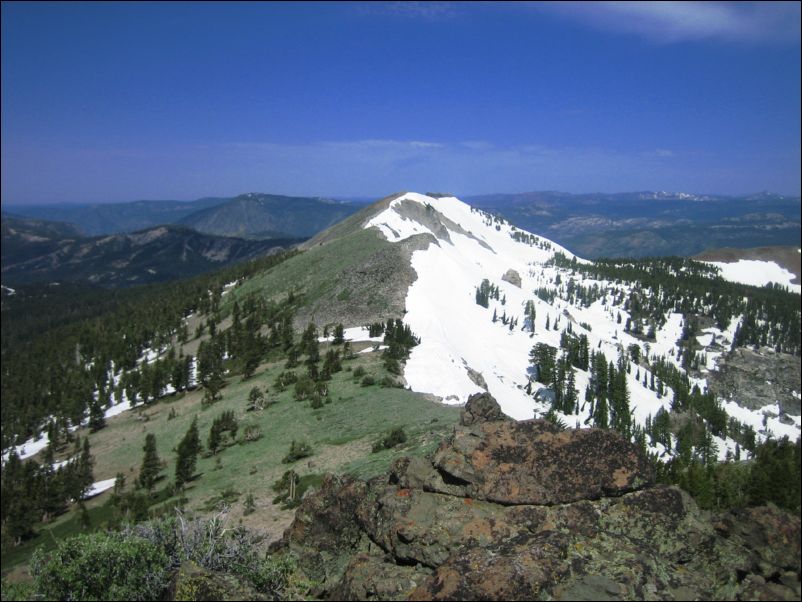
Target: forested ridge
{"x":59,"y":343}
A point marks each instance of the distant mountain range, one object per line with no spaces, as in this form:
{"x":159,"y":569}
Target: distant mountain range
{"x":639,"y":224}
{"x":112,"y":218}
{"x":252,"y":215}
{"x":633,"y":224}
{"x":256,"y":215}
{"x":38,"y":251}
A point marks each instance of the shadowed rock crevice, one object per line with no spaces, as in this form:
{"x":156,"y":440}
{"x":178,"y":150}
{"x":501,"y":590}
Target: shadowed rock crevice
{"x":508,"y":510}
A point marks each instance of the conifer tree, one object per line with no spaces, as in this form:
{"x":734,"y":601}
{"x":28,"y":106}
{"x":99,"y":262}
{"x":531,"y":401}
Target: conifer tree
{"x":600,"y":414}
{"x":97,"y":420}
{"x":256,"y":399}
{"x":339,"y":335}
{"x":570,"y":397}
{"x":85,"y":476}
{"x":213,"y":442}
{"x":151,"y":465}
{"x":188,"y":450}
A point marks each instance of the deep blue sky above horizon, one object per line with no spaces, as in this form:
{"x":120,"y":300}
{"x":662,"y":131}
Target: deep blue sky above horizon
{"x":125,"y":101}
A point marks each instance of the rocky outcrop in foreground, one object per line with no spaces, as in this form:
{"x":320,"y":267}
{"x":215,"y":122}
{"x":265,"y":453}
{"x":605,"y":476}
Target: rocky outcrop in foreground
{"x":509,"y":510}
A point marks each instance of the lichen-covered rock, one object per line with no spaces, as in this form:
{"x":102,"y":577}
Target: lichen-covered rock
{"x":481,"y":407}
{"x":534,"y":462}
{"x":193,"y":582}
{"x":522,"y":510}
{"x":328,"y":520}
{"x":517,"y":569}
{"x":371,"y":578}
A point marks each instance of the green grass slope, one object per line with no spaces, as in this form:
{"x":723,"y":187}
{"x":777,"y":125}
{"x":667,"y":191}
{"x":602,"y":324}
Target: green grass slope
{"x":341,"y":434}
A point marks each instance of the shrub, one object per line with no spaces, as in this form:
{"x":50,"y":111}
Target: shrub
{"x":389,"y":381}
{"x":101,"y":566}
{"x":397,"y":436}
{"x":298,"y":450}
{"x":302,"y":485}
{"x":359,"y":372}
{"x":250,"y":505}
{"x":252,"y":432}
{"x":368,"y":381}
{"x":284,"y":380}
{"x":212,"y":545}
{"x":17,"y":591}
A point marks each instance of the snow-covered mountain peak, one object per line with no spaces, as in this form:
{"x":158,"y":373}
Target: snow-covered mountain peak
{"x":447,"y":217}
{"x":473,"y":341}
{"x":463,"y":350}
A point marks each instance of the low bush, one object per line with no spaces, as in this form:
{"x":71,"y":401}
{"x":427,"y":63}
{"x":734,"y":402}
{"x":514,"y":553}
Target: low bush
{"x":298,"y":450}
{"x":101,"y":566}
{"x":395,"y":437}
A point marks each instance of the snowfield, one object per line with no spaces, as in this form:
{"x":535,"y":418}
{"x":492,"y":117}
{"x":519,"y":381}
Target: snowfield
{"x":460,"y":342}
{"x":756,"y":273}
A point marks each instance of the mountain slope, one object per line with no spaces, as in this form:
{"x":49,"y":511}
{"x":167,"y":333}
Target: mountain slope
{"x":255,"y":215}
{"x":347,"y":274}
{"x":154,"y":255}
{"x":24,"y":238}
{"x":466,"y":347}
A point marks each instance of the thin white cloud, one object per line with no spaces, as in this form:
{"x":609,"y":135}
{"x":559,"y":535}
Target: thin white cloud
{"x":416,"y":10}
{"x":772,"y":22}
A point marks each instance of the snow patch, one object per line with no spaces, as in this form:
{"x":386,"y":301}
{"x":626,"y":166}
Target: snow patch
{"x":99,"y":487}
{"x":756,"y":273}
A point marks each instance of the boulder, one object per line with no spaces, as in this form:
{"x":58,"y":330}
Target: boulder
{"x":509,"y":510}
{"x":513,"y":277}
{"x":534,"y":462}
{"x":481,"y":407}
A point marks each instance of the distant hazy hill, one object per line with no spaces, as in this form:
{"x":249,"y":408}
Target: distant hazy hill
{"x":24,"y":238}
{"x":111,"y":218}
{"x":153,"y":255}
{"x":255,"y":215}
{"x":639,"y":224}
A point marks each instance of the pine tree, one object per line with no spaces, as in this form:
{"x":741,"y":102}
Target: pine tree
{"x":151,"y":465}
{"x":84,"y":475}
{"x":600,"y":415}
{"x":187,"y":451}
{"x":570,"y":398}
{"x":97,"y":420}
{"x":213,"y":442}
{"x":256,"y":399}
{"x":83,"y":517}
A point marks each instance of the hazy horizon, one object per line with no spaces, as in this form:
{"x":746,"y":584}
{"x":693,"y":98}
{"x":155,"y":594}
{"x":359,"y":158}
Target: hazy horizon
{"x":371,"y":198}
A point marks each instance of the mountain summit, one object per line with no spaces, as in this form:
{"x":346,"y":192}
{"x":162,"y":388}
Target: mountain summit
{"x":460,"y":344}
{"x":481,"y":293}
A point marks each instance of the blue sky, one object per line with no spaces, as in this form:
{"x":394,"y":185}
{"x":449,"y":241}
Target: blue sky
{"x":123,"y":101}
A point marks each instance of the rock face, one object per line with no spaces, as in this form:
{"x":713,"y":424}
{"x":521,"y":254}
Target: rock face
{"x":509,"y":510}
{"x":513,"y":277}
{"x":759,"y":378}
